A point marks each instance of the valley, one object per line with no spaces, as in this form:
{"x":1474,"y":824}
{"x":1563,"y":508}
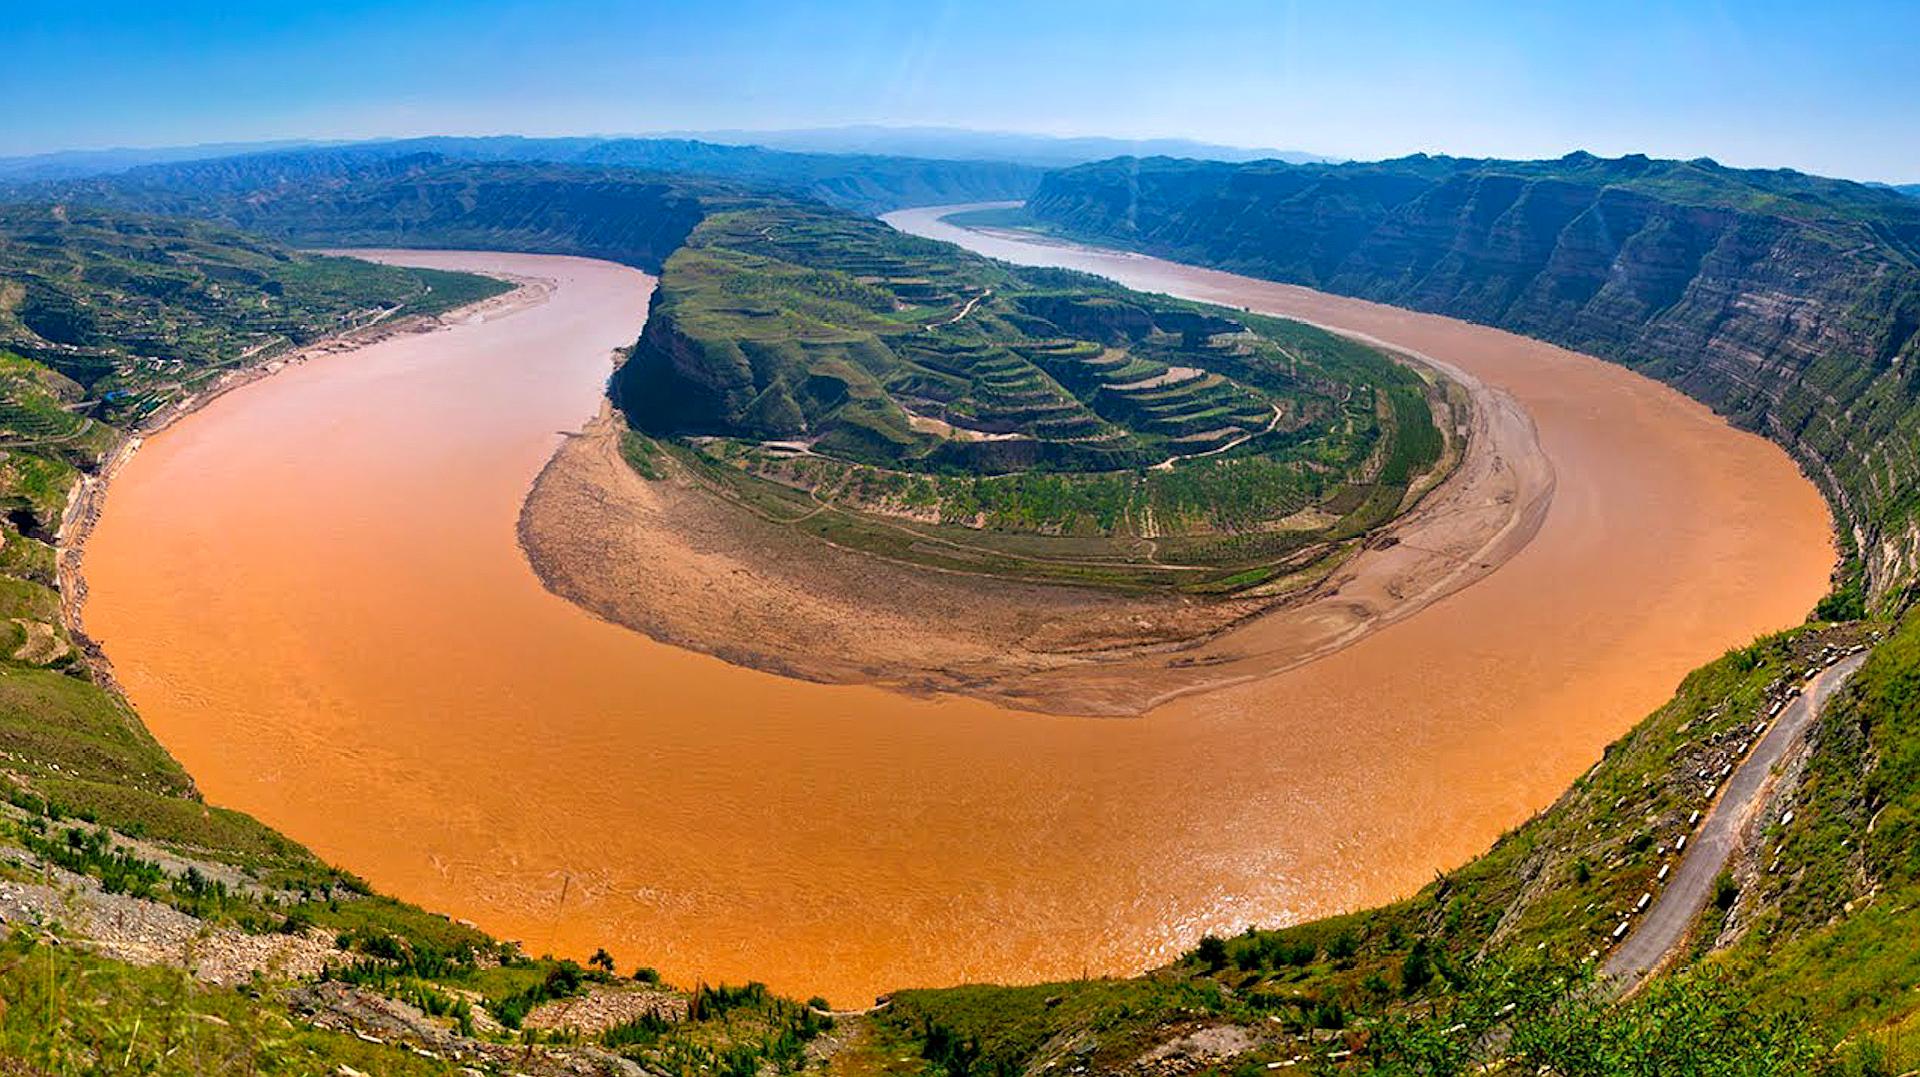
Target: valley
{"x":616,"y":539}
{"x":696,"y":811}
{"x":381,"y":600}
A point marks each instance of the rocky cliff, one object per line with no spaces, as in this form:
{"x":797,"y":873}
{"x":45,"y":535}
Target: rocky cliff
{"x":1790,"y":303}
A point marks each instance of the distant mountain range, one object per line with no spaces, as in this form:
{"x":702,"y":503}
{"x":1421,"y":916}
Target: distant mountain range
{"x":667,"y":149}
{"x":958,"y":143}
{"x":76,"y":164}
{"x":863,"y":182}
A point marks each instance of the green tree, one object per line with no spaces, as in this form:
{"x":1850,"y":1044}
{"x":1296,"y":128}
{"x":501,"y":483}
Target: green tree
{"x":1416,"y":971}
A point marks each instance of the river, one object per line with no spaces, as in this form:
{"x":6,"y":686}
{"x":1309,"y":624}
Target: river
{"x":311,"y":590}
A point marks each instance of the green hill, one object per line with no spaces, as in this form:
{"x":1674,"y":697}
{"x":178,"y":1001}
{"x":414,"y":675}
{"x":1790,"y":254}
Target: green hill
{"x":826,"y":353}
{"x":136,"y":311}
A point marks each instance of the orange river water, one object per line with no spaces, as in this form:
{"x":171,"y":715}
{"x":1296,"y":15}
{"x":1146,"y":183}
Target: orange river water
{"x":312,"y":591}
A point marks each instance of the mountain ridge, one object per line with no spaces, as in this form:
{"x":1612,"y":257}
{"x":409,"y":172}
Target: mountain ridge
{"x":866,"y":183}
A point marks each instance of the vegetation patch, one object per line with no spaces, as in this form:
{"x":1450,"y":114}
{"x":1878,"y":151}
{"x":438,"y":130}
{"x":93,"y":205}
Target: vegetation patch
{"x":1039,"y":421}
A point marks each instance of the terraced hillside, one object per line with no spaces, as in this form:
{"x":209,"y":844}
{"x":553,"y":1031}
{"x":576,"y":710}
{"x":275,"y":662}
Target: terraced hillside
{"x":829,"y":357}
{"x":1791,"y":303}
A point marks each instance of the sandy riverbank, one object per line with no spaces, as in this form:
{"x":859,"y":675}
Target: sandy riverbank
{"x":674,"y":560}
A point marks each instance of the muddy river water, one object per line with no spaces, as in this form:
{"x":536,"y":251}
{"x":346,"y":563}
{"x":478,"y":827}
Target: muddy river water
{"x":311,"y":590}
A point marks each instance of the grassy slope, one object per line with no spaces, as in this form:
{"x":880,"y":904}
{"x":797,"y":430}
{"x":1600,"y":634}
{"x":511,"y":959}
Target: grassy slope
{"x":1834,"y":926}
{"x":785,"y":322}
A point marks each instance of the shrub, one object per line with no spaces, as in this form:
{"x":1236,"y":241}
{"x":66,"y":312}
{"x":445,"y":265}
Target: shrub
{"x":638,"y":1032}
{"x":1417,"y":970}
{"x":1212,"y":952}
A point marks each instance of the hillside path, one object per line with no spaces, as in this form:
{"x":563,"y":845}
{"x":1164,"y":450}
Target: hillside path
{"x":1667,"y":921}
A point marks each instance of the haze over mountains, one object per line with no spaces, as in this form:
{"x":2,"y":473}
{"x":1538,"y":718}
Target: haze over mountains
{"x":73,"y":164}
{"x":959,"y":143}
{"x":862,"y":183}
{"x":654,"y":150}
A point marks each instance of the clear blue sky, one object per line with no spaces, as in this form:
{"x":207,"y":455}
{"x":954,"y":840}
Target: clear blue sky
{"x":1831,"y":87}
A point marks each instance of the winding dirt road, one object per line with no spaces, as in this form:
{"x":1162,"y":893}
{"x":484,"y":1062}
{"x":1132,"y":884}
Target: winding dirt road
{"x":1666,"y":923}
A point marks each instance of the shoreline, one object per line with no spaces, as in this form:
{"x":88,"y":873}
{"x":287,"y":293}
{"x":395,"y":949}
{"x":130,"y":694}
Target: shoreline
{"x":632,"y":551}
{"x":87,"y":498}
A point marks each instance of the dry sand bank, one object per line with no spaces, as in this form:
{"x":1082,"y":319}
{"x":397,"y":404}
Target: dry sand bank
{"x":690,"y":568}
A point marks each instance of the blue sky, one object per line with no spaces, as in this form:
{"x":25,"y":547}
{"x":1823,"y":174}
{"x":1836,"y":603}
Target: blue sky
{"x":1827,"y":87}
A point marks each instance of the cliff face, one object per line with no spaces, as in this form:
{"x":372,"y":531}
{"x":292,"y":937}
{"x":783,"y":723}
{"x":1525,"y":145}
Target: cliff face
{"x":1789,"y":303}
{"x":674,"y":380}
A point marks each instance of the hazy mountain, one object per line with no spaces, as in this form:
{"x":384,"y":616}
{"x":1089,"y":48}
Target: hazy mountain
{"x":957,"y":143}
{"x":864,"y":182}
{"x":668,"y":150}
{"x":74,"y":164}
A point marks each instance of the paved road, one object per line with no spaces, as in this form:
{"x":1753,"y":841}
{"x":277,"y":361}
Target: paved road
{"x":1665,"y":923}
